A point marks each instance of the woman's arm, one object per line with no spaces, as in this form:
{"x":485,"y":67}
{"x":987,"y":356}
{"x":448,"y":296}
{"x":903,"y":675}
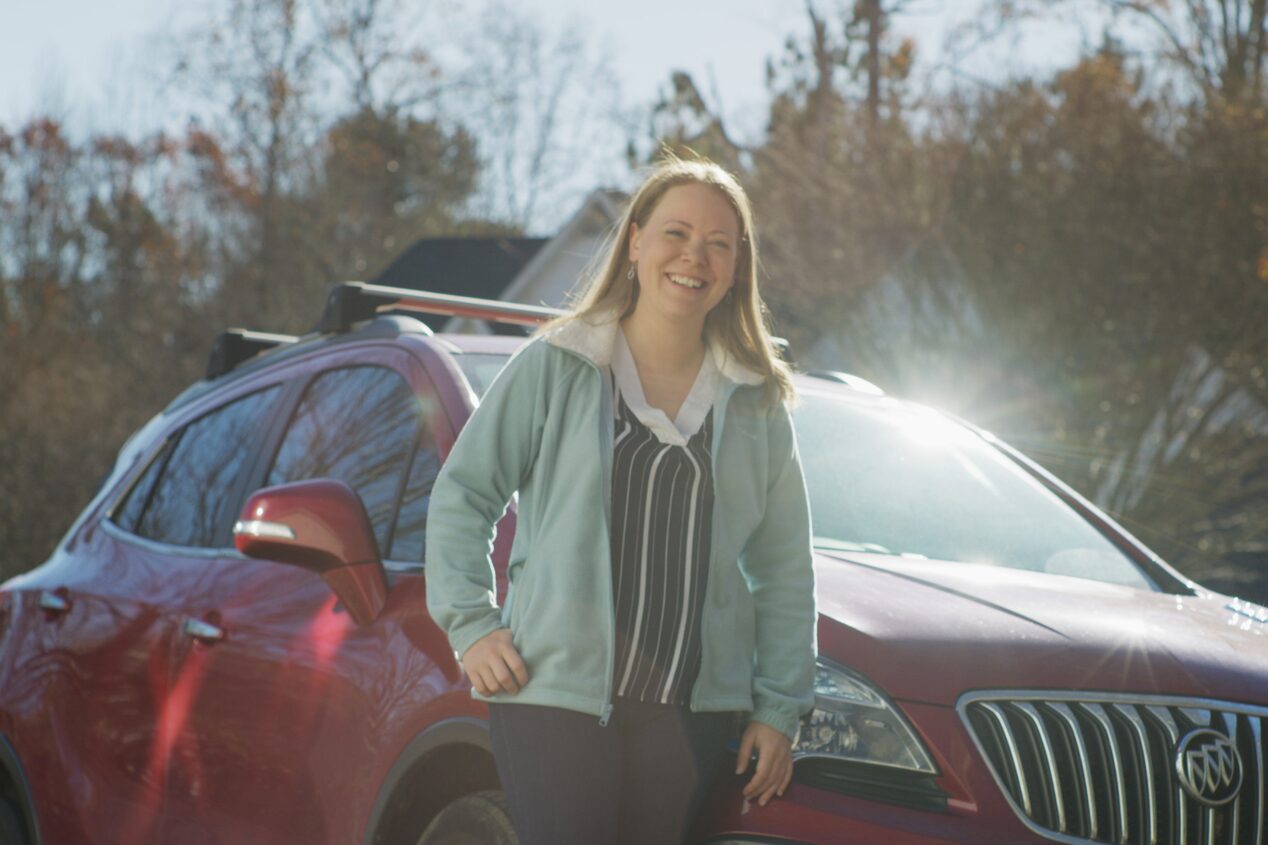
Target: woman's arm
{"x":779,"y":568}
{"x":488,"y":463}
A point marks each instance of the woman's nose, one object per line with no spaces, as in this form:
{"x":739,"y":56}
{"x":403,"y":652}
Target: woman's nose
{"x":695,"y":251}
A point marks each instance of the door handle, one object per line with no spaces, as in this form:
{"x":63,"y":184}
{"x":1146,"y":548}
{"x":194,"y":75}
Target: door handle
{"x":55,"y":602}
{"x":203,"y":631}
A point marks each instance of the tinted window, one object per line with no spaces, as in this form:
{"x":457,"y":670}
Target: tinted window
{"x":409,"y":539}
{"x":357,"y":425}
{"x":129,"y":512}
{"x":192,"y":497}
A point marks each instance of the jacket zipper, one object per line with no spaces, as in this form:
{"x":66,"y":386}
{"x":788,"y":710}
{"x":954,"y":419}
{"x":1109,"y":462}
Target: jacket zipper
{"x":607,"y":421}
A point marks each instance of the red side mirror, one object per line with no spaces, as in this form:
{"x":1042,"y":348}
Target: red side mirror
{"x":320,"y":525}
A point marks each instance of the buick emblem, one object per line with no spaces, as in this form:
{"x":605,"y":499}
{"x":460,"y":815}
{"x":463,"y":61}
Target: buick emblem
{"x":1209,"y":767}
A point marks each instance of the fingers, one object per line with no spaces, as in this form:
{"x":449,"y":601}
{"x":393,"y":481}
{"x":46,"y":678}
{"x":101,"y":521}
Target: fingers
{"x":745,"y":754}
{"x":778,"y":771}
{"x":504,"y":676}
{"x":516,"y":664}
{"x":493,"y":665}
{"x":762,"y":777}
{"x":774,"y":763}
{"x":481,"y":680}
{"x":771,"y":781}
{"x":787,"y":779}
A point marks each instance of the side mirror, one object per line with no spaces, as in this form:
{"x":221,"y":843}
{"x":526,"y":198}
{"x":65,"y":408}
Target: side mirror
{"x":322,"y":526}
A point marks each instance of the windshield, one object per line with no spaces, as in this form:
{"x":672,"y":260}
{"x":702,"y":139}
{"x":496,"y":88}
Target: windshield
{"x":888,"y":478}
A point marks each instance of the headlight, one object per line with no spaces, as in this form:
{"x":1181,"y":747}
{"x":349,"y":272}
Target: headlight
{"x":853,"y":720}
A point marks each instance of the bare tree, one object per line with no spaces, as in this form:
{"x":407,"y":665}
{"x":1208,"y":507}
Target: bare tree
{"x":1219,"y":45}
{"x":545,"y":110}
{"x":376,"y":47}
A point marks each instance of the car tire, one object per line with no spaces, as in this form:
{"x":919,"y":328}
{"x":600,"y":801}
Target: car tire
{"x":481,"y":818}
{"x":12,"y":829}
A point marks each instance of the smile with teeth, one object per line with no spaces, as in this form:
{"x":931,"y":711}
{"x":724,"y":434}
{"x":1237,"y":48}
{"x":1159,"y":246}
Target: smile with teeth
{"x":686,"y":281}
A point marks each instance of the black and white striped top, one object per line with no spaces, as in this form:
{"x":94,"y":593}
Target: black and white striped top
{"x":662,"y":519}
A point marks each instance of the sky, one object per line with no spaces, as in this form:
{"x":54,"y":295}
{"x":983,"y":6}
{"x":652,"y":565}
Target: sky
{"x":99,"y":66}
{"x":92,"y":59}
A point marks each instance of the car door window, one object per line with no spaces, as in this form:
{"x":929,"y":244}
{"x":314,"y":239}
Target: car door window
{"x":409,"y":538}
{"x":128,"y":513}
{"x":191,"y":498}
{"x":358,"y":425}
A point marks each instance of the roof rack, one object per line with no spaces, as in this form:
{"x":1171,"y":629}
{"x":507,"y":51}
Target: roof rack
{"x":352,"y":302}
{"x":233,"y":346}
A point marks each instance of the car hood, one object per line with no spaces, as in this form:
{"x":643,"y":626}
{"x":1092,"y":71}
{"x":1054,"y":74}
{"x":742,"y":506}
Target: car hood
{"x":927,"y":630}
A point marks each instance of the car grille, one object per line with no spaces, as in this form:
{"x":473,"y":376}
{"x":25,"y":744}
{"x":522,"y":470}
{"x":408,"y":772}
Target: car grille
{"x":1084,"y":768}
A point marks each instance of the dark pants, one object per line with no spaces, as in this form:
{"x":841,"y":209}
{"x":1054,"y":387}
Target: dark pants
{"x":637,"y":781}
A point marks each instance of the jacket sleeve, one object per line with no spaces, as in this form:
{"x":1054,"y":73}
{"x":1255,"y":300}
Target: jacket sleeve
{"x":489,"y":461}
{"x":779,"y":567}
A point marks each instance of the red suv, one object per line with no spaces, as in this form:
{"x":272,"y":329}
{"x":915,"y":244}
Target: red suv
{"x":231,"y":643}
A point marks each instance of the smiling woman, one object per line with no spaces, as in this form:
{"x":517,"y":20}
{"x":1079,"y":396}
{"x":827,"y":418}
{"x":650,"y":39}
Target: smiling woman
{"x":656,"y":411}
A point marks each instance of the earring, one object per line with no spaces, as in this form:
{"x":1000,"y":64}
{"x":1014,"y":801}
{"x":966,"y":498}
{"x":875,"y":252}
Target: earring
{"x":630,"y":274}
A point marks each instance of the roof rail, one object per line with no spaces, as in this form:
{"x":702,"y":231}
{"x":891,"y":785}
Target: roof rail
{"x":233,"y":346}
{"x":352,"y":302}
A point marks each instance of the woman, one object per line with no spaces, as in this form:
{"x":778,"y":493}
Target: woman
{"x":660,"y":577}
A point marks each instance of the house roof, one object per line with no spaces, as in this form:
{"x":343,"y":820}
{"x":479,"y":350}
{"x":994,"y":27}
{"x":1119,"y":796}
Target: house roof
{"x":602,"y":208}
{"x":479,"y":267}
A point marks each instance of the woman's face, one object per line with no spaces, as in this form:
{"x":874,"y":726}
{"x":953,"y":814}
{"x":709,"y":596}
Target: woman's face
{"x":686,"y":253}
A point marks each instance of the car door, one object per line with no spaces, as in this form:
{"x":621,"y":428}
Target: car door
{"x":285,"y":714}
{"x":109,"y":610}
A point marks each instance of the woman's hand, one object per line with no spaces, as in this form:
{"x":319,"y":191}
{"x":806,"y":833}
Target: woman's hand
{"x":493,"y":664}
{"x":774,"y":761}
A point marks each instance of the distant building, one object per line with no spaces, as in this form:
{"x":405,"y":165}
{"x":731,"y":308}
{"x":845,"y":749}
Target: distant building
{"x":531,"y":271}
{"x":479,"y":267}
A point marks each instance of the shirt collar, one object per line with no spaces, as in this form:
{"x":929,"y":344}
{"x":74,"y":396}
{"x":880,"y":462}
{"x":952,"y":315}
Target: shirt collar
{"x":705,"y":390}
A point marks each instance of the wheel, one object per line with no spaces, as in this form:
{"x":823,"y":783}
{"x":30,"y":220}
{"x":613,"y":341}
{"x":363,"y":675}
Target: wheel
{"x":12,"y":829}
{"x":480,"y":818}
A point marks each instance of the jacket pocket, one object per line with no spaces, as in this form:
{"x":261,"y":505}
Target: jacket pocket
{"x":520,"y":600}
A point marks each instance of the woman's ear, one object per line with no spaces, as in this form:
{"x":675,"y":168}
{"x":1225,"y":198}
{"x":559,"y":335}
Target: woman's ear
{"x":635,"y":235}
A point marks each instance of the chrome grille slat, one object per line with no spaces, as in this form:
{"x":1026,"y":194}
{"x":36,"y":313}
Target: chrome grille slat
{"x":1230,"y":727}
{"x":1142,"y":741}
{"x":1120,"y":806}
{"x":1050,"y":762}
{"x":1018,"y":766}
{"x":1064,"y":713}
{"x":1256,"y":732}
{"x":1165,"y":718}
{"x":1091,"y":768}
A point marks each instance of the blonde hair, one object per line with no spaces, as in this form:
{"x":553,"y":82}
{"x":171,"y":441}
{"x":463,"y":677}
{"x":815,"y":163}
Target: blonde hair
{"x":738,"y":322}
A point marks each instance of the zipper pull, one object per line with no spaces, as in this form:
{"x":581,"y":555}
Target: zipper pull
{"x":604,"y":715}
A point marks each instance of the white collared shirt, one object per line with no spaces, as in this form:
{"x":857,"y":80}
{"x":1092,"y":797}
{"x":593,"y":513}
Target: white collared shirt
{"x":704,"y":392}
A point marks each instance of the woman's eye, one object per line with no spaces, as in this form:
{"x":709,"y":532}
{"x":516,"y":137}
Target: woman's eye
{"x":720,"y":244}
{"x":675,"y":233}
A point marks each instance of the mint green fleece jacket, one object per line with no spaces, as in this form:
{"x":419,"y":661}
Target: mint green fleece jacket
{"x":544,"y":429}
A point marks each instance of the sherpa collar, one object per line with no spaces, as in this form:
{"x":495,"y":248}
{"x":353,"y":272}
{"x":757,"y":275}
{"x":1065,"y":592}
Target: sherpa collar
{"x":596,"y":341}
